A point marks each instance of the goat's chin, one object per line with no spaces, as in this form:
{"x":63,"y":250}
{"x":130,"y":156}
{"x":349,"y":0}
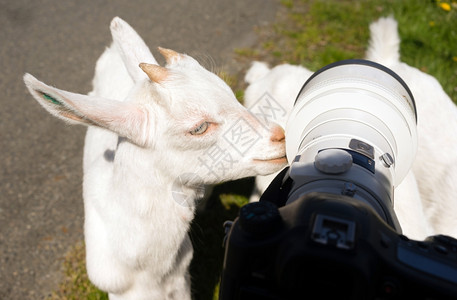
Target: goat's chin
{"x":277,"y":160}
{"x":269,"y":166}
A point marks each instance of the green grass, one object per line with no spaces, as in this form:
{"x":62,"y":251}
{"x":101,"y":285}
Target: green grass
{"x":316,"y":33}
{"x":76,"y":285}
{"x":312,"y":33}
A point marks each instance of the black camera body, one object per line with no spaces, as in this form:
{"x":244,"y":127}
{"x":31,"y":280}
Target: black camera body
{"x":332,"y":246}
{"x":326,"y":225}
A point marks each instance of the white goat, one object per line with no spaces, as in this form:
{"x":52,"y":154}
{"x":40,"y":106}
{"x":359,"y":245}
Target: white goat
{"x":156,"y":135}
{"x":424,"y":206}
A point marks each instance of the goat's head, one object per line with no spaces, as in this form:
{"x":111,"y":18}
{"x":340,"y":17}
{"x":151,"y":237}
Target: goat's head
{"x":184,"y":118}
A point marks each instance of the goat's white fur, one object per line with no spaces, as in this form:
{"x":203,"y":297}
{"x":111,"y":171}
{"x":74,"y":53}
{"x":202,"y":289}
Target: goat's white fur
{"x":425,"y":201}
{"x":135,"y":228}
{"x":437,"y":130}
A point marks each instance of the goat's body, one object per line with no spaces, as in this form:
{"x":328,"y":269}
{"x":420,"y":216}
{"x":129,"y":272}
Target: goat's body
{"x":437,"y":130}
{"x":436,"y":155}
{"x":134,"y":230}
{"x":126,"y":227}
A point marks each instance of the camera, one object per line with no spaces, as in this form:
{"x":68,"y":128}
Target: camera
{"x":326,"y":226}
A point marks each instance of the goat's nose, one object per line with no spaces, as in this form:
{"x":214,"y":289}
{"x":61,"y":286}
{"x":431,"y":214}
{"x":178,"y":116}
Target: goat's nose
{"x":277,"y":134}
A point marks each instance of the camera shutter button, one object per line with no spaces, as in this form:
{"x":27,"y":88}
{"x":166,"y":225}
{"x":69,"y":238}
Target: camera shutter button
{"x":333,"y":161}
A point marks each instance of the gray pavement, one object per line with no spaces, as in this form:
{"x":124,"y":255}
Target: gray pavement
{"x":41,"y":208}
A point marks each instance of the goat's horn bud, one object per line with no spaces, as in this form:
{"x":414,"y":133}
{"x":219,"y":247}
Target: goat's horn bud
{"x":170,"y":55}
{"x":155,"y":73}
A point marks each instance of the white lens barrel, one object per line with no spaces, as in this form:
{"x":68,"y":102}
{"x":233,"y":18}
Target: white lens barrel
{"x":356,"y":99}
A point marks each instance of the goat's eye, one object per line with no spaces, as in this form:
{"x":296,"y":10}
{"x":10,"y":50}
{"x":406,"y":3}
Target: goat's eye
{"x":200,"y":129}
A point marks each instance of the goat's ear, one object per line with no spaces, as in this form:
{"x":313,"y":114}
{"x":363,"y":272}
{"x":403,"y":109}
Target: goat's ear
{"x":126,"y":119}
{"x":132,"y":48}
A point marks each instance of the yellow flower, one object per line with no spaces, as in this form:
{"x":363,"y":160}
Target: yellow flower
{"x":454,"y":58}
{"x":431,"y":23}
{"x":445,"y":6}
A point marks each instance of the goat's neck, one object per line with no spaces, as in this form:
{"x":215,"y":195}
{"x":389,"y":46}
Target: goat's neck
{"x":139,"y":184}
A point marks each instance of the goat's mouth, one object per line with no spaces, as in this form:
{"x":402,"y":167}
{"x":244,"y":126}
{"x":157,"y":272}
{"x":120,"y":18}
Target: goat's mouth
{"x":276,"y":160}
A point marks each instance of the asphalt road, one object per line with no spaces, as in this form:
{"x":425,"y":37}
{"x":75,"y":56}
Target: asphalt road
{"x":41,"y":207}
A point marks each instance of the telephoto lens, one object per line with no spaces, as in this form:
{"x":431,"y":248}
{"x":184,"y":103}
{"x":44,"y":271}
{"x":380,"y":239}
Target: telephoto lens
{"x":352,"y":131}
